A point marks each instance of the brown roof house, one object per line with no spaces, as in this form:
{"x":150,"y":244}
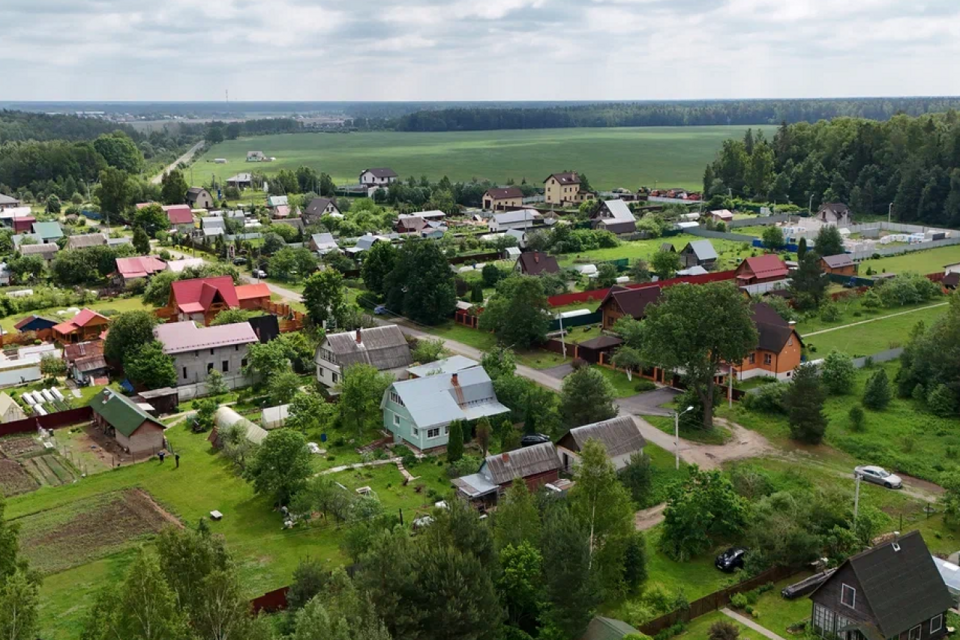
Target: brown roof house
{"x":535,"y":263}
{"x":135,"y":430}
{"x":841,"y":264}
{"x":564,"y":189}
{"x":383,"y":347}
{"x":536,"y":465}
{"x":893,"y":590}
{"x":621,"y":301}
{"x":835,"y":213}
{"x":502,"y":198}
{"x":620,"y":436}
{"x":320,"y":207}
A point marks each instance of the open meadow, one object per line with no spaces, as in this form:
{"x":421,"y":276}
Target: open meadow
{"x":610,"y":157}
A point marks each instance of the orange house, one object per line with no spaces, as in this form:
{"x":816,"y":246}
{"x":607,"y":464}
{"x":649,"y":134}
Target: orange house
{"x":86,"y":325}
{"x":765,"y":268}
{"x":778,"y":349}
{"x":253,"y":296}
{"x":841,"y":264}
{"x":201,"y":299}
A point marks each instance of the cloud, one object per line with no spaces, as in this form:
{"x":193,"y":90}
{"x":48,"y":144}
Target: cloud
{"x":470,"y":50}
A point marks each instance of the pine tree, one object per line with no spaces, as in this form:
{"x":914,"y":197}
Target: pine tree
{"x":455,"y":442}
{"x":877,"y":393}
{"x":804,"y":404}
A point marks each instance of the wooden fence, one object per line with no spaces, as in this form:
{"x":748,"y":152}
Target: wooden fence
{"x":49,"y":421}
{"x":271,"y":602}
{"x":715,"y":600}
{"x":289,"y":319}
{"x":597,"y":295}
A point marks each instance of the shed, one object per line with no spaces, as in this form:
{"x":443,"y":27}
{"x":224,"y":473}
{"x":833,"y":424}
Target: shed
{"x":10,"y":411}
{"x":620,"y":436}
{"x":126,"y":421}
{"x":536,"y":465}
{"x":699,"y":253}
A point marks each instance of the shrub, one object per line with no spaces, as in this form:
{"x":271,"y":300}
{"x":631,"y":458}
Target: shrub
{"x":723,"y":630}
{"x":838,"y":373}
{"x":941,"y":402}
{"x":739,"y":601}
{"x":857,"y":418}
{"x":644,"y":385}
{"x":919,"y":393}
{"x":830,"y":313}
{"x":768,"y":398}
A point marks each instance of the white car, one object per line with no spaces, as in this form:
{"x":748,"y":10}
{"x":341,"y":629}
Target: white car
{"x":879,"y":475}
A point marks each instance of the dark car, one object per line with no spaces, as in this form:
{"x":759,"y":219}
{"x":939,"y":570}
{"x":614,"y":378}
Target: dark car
{"x":731,"y":559}
{"x":239,"y":260}
{"x":532,"y":439}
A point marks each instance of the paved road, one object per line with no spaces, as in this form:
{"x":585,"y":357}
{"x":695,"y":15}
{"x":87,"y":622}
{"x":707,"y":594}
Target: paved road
{"x":648,"y":403}
{"x":184,"y":158}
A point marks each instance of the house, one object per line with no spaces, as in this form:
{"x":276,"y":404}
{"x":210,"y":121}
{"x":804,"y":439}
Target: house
{"x":73,"y":352}
{"x":283,"y":211}
{"x":240,"y":181}
{"x":835,"y":213}
{"x":778,"y":350}
{"x":213,"y":223}
{"x":253,"y":296}
{"x":365,"y":243}
{"x":535,"y":263}
{"x":536,"y":465}
{"x":614,"y":216}
{"x":129,"y":269}
{"x":135,"y":430}
{"x":177,"y":266}
{"x":318,"y":208}
{"x":180,"y":216}
{"x":381,"y":177}
{"x":722,"y":215}
{"x":17,"y":218}
{"x":842,"y":265}
{"x":86,"y":241}
{"x":323,"y":243}
{"x":601,"y":628}
{"x":8,"y":202}
{"x":46,"y":251}
{"x":893,"y":590}
{"x":385,"y":348}
{"x":699,"y":253}
{"x":502,"y":198}
{"x":116,"y":242}
{"x":89,"y":370}
{"x":199,"y":198}
{"x":255,"y":156}
{"x":521,"y":219}
{"x":196,"y":351}
{"x":453,"y":364}
{"x":201,"y":299}
{"x":418,"y":412}
{"x":10,"y":411}
{"x":620,"y":436}
{"x":519,"y":235}
{"x":766,"y":268}
{"x":562,"y":189}
{"x":418,"y":222}
{"x":41,"y":325}
{"x":624,"y":302}
{"x":47,"y":231}
{"x":86,"y":325}
{"x":277,"y":201}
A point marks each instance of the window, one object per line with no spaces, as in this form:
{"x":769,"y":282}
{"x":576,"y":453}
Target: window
{"x":243,"y":363}
{"x":416,"y":432}
{"x":823,"y":620}
{"x":914,"y":633}
{"x":446,"y":431}
{"x":936,"y":623}
{"x":211,"y":351}
{"x":396,"y":420}
{"x":236,"y":347}
{"x":184,"y":373}
{"x":225,"y":365}
{"x":767,"y":358}
{"x":848,"y":596}
{"x":395,"y":398}
{"x":209,"y":367}
{"x":433,"y":433}
{"x":752,"y":358}
{"x":333,"y":376}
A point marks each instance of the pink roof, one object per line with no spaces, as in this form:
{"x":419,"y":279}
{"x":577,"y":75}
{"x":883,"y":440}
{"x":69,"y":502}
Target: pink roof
{"x":139,"y":267}
{"x":179,"y":213}
{"x":252,"y":291}
{"x":80,"y":320}
{"x":144,"y":205}
{"x":198,"y":294}
{"x":178,"y":337}
{"x":767,"y":266}
{"x":282,"y":211}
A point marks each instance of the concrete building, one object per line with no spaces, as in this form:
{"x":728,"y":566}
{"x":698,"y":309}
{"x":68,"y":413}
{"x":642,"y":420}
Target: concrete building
{"x":502,"y":198}
{"x":198,"y":351}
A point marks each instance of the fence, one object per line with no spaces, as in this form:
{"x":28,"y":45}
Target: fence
{"x":199,"y":389}
{"x":475,"y":258}
{"x":715,"y":600}
{"x":856,"y":280}
{"x":788,"y":246}
{"x":271,"y":602}
{"x":883,"y":356}
{"x":596,"y":295}
{"x":576,"y":321}
{"x":289,"y":319}
{"x":719,"y":235}
{"x":893,"y":251}
{"x":49,"y":421}
{"x":763,"y":221}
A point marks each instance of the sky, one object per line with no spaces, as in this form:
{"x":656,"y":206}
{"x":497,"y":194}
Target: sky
{"x":184,"y":50}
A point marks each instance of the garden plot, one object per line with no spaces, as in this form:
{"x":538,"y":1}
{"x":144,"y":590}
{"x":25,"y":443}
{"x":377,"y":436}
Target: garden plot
{"x":79,"y":532}
{"x":27,"y":465}
{"x":15,"y":479}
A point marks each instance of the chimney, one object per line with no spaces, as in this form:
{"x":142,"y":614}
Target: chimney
{"x":359,"y":338}
{"x":454,"y":381}
{"x":505,"y":457}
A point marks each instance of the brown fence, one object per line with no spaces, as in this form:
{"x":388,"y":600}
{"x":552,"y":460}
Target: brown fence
{"x":271,"y":602}
{"x":49,"y":421}
{"x":289,"y":319}
{"x":715,"y":600}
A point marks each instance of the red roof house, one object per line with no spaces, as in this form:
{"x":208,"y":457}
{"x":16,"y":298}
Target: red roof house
{"x":252,"y":296}
{"x":86,"y":325}
{"x":179,"y":214}
{"x":140,"y":267}
{"x":201,"y":299}
{"x":765,"y":268}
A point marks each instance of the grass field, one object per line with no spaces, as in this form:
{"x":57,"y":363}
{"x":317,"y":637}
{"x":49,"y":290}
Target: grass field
{"x":611,"y":157}
{"x":730,"y":253}
{"x":887,"y":331}
{"x":922,"y":262}
{"x":118,"y":305}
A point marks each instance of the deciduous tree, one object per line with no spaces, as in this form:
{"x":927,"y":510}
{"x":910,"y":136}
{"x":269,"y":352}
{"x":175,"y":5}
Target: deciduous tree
{"x":665,"y":264}
{"x":421,"y":286}
{"x":518,"y":313}
{"x":701,"y":510}
{"x":173,"y":187}
{"x":586,"y":382}
{"x":361,"y":391}
{"x":325,"y":298}
{"x":282,"y":465}
{"x":377,"y":265}
{"x":149,"y":366}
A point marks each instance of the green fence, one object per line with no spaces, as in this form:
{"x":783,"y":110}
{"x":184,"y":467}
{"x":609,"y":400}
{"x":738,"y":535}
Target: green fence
{"x":577,"y":321}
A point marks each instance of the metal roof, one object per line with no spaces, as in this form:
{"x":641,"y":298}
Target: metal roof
{"x":120,"y":412}
{"x":619,"y":210}
{"x":702,"y":249}
{"x":618,"y":436}
{"x":504,"y":467}
{"x":441,"y":399}
{"x":182,"y":337}
{"x":446,"y":365}
{"x":383,"y":347}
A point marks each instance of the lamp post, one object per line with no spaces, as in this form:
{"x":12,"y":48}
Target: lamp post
{"x":810,"y":206}
{"x":676,"y":430}
{"x":889,"y":212}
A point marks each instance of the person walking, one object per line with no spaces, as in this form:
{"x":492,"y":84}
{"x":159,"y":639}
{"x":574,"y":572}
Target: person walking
{"x":176,"y":457}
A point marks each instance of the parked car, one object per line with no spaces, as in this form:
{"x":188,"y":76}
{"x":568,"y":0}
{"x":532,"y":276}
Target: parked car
{"x":239,"y":260}
{"x":259,"y":273}
{"x":533,"y":439}
{"x":878,"y":475}
{"x":731,"y":559}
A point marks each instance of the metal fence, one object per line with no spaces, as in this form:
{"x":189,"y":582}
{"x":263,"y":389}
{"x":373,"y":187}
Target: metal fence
{"x":719,"y":235}
{"x":762,"y":221}
{"x":49,"y":421}
{"x":894,"y":251}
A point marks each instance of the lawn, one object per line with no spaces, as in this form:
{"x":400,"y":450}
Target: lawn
{"x":475,"y":338}
{"x":730,"y":253}
{"x":431,"y":484}
{"x":777,"y":613}
{"x":923,"y":262}
{"x":622,"y":387}
{"x":699,"y":628}
{"x":717,"y":435}
{"x":851,"y":310}
{"x":664,"y":470}
{"x":611,"y":157}
{"x":867,"y":339}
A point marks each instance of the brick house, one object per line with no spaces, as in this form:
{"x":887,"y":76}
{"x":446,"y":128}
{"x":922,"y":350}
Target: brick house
{"x":779,"y":347}
{"x":536,"y":465}
{"x":197,"y":351}
{"x":765,"y":268}
{"x":135,"y":430}
{"x":841,"y":264}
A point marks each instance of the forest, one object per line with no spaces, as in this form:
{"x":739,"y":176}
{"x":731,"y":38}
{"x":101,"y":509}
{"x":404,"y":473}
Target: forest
{"x":667,"y":114}
{"x":911,"y":162}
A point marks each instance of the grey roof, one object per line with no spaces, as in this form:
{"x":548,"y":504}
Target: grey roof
{"x":324,"y":242}
{"x":113,"y":242}
{"x":950,"y":574}
{"x":504,"y":467}
{"x":839,"y":260}
{"x":447,"y":365}
{"x":38,"y":249}
{"x":365,"y":242}
{"x":5,"y":199}
{"x":702,"y":249}
{"x":20,"y":237}
{"x":318,"y":206}
{"x":86,"y":240}
{"x":241,"y":177}
{"x":903,"y":588}
{"x":381,"y":172}
{"x":213,"y":231}
{"x":619,"y":210}
{"x":618,"y":436}
{"x":513,"y":252}
{"x":441,"y":399}
{"x":474,"y":485}
{"x":519,"y":234}
{"x":212,"y":222}
{"x":523,"y":215}
{"x":383,"y":347}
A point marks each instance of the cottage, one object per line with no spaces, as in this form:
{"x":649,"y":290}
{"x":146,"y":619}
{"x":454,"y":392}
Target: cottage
{"x":180,"y":217}
{"x":620,"y":436}
{"x":502,"y":198}
{"x":562,"y":189}
{"x":8,"y":202}
{"x":240,"y":181}
{"x":130,"y":269}
{"x":365,"y":243}
{"x":47,"y":231}
{"x":766,"y":268}
{"x":197,"y":351}
{"x":418,"y":412}
{"x":135,"y":430}
{"x":535,"y":263}
{"x":418,"y":222}
{"x":453,"y":364}
{"x":614,"y":216}
{"x":201,"y":299}
{"x":842,"y":265}
{"x":536,"y":465}
{"x":722,"y":215}
{"x":323,"y":243}
{"x":522,"y":219}
{"x":277,"y":201}
{"x":385,"y":348}
{"x":10,"y":411}
{"x":86,"y":325}
{"x":199,"y":198}
{"x":90,"y":370}
{"x":86,"y":241}
{"x":699,"y":253}
{"x":779,"y":346}
{"x":255,"y":156}
{"x":46,"y":251}
{"x":835,"y":213}
{"x":42,"y":325}
{"x":625,"y":302}
{"x":381,"y":177}
{"x":892,"y":590}
{"x":318,"y":208}
{"x":73,"y":352}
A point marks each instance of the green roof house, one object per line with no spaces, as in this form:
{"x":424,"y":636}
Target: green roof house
{"x":48,"y":231}
{"x":127,"y":422}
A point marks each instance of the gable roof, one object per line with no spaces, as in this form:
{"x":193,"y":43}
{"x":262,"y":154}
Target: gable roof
{"x":240,"y":177}
{"x":324,"y":241}
{"x":177,"y":266}
{"x":48,"y":230}
{"x":5,"y":199}
{"x":179,"y":214}
{"x":35,"y":323}
{"x":86,"y":240}
{"x":951,"y":279}
{"x":197,"y":294}
{"x":702,"y":249}
{"x":318,"y":206}
{"x":120,"y":412}
{"x":436,"y":400}
{"x":723,"y":214}
{"x":632,"y":302}
{"x":837,"y":209}
{"x":504,"y":193}
{"x":253,"y":291}
{"x":768,"y":265}
{"x":520,"y":463}
{"x":82,"y":319}
{"x":535,"y":263}
{"x":903,"y":588}
{"x":773,"y":331}
{"x":181,"y":337}
{"x":382,"y":172}
{"x":618,"y":436}
{"x":619,"y":210}
{"x":383,"y":347}
{"x":838,"y":261}
{"x":601,"y":628}
{"x":565,"y":177}
{"x":277,"y":201}
{"x":617,"y":226}
{"x":72,"y":352}
{"x":6,"y":403}
{"x":522,"y":215}
{"x":38,"y":249}
{"x":140,"y":267}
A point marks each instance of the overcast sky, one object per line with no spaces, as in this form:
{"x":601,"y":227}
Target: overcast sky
{"x":476,"y":49}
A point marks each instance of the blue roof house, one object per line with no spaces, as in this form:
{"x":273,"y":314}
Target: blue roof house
{"x":418,"y":412}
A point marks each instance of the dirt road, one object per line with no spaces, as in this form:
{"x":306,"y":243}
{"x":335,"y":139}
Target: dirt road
{"x":184,"y":158}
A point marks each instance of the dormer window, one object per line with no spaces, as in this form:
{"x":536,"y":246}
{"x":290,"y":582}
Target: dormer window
{"x":848,"y":596}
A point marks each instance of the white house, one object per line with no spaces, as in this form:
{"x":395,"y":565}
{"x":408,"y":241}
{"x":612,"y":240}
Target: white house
{"x":378,"y":177}
{"x":384,"y":347}
{"x":522,"y":219}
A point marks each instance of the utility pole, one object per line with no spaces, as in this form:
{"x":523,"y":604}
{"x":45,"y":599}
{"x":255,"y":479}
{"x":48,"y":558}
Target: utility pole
{"x":889,"y":212}
{"x":856,"y":498}
{"x":676,"y":431}
{"x":730,"y":387}
{"x":563,"y":341}
{"x":810,"y":206}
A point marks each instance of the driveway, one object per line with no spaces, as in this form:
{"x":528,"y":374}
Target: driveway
{"x":560,"y":372}
{"x":648,"y":403}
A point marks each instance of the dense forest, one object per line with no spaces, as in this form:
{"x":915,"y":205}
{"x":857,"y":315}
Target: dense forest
{"x":19,"y":126}
{"x":912,"y":162}
{"x":672,"y":114}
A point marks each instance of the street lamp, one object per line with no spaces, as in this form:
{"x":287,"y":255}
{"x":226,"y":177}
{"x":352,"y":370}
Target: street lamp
{"x":889,"y":212}
{"x":676,"y":430}
{"x":810,"y":206}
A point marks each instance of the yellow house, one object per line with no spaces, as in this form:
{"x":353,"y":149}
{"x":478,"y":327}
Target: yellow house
{"x":502,"y":199}
{"x":563,"y":189}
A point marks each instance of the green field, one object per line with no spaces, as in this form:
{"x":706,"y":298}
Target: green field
{"x":888,"y":331}
{"x":922,"y":262}
{"x":611,"y":157}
